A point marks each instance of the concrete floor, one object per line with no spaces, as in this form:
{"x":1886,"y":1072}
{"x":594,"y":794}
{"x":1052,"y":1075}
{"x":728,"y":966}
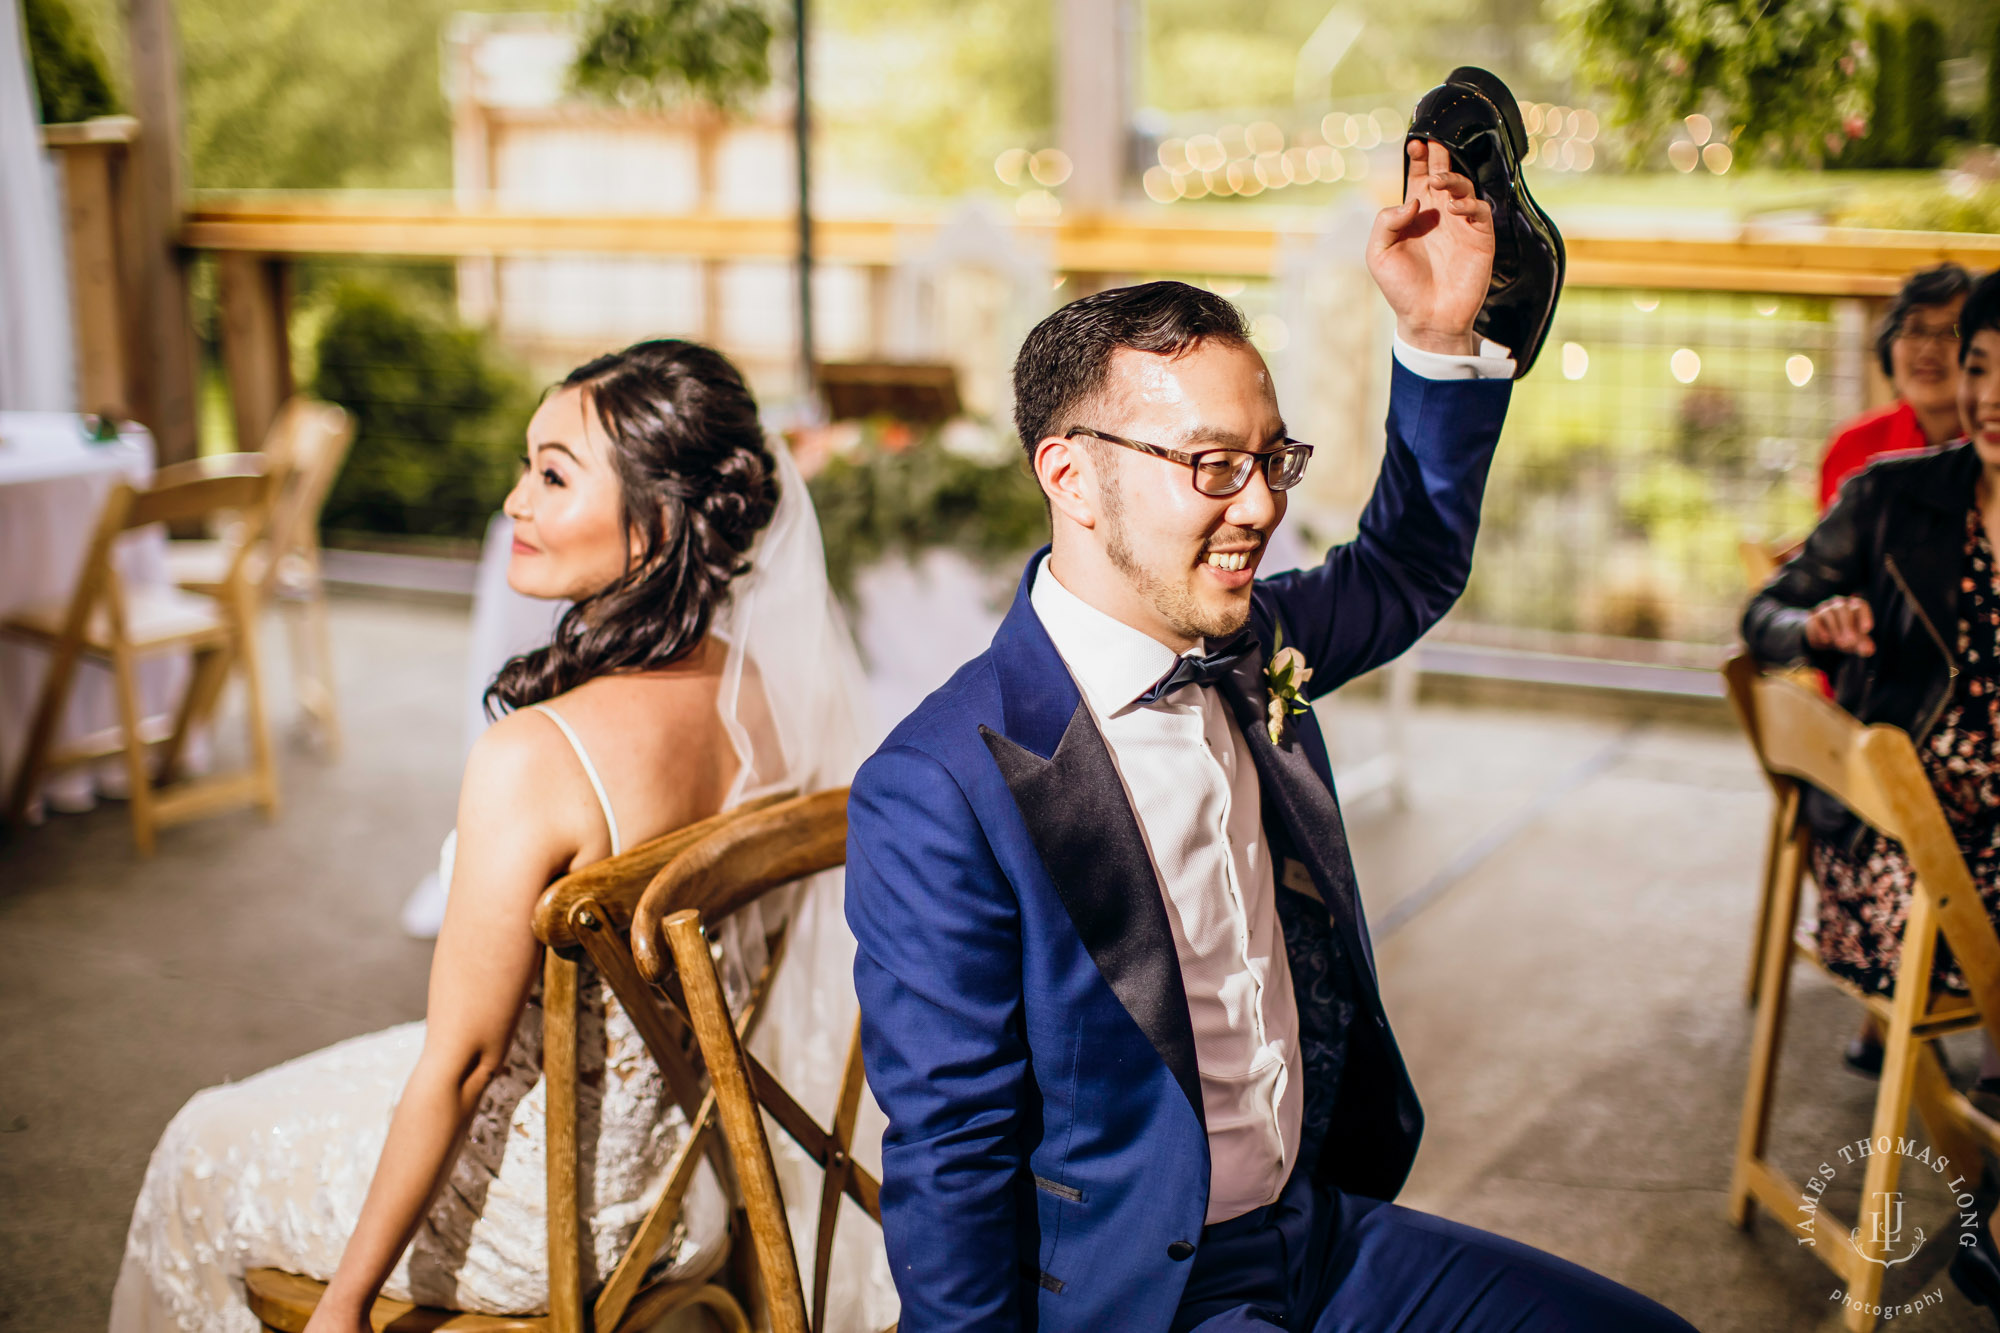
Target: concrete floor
{"x":1562,"y":915}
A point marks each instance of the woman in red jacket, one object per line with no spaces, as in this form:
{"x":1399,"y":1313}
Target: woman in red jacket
{"x":1918,"y":348}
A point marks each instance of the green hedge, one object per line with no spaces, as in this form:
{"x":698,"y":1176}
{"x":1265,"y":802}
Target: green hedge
{"x":1990,"y":126}
{"x":439,"y":415}
{"x":69,"y":69}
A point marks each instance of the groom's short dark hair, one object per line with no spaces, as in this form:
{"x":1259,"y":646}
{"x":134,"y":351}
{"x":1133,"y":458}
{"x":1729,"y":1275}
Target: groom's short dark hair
{"x":1065,"y":359}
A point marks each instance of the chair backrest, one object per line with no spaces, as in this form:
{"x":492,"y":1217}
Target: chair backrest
{"x":1800,"y":736}
{"x":318,"y":435}
{"x":226,"y":484}
{"x":586,"y":913}
{"x":722,"y":874}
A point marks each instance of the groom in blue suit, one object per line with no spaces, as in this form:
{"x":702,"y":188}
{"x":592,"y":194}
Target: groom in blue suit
{"x":1118,"y":999}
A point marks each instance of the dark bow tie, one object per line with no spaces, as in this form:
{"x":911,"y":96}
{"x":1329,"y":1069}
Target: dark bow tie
{"x":1196,"y":669}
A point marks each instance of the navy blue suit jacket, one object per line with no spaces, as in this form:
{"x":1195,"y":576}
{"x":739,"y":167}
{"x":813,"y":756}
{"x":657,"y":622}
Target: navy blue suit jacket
{"x":1024,"y":1024}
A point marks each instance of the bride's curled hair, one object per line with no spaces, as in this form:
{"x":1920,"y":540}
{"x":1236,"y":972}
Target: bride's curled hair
{"x":699,"y":484}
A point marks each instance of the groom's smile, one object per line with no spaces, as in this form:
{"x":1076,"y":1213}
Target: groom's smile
{"x":1134,"y":532}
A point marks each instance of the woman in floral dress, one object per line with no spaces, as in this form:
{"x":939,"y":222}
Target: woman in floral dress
{"x":1896,"y":596}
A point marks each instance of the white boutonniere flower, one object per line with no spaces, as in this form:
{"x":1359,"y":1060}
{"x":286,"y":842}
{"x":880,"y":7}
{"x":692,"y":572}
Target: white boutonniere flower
{"x":1285,"y":676}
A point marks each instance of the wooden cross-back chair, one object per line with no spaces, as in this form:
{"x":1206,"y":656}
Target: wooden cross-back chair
{"x":105,"y":620}
{"x":306,"y":446}
{"x":705,"y":886}
{"x":586,"y":914}
{"x":1800,"y":737}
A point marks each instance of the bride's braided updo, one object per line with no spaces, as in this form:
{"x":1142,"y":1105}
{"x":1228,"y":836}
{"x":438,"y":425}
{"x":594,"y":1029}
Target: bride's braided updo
{"x":699,"y":484}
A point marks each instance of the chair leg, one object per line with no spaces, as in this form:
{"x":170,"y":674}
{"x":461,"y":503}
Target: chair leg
{"x":1949,"y":1135}
{"x":42,"y":732}
{"x":1900,"y":1059}
{"x":1774,"y":990}
{"x":312,"y":658}
{"x":125,"y":673}
{"x":1774,"y":847}
{"x":211,"y":670}
{"x":258,"y":723}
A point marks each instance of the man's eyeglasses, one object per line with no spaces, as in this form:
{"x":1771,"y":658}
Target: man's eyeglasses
{"x":1220,"y":472}
{"x":1916,"y":335}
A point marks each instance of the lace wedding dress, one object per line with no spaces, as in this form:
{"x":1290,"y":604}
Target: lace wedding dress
{"x":272,"y":1171}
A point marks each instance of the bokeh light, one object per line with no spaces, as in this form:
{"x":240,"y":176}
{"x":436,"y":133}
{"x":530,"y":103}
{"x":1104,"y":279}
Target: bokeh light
{"x":1685,"y":364}
{"x":1270,"y":333}
{"x":1205,"y":153}
{"x":1576,"y":361}
{"x":1717,"y":157}
{"x":1010,"y":165}
{"x":1049,"y":167}
{"x":1684,"y":155}
{"x":1799,"y":370}
{"x":1699,"y":128}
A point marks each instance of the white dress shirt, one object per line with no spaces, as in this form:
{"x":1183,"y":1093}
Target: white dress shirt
{"x":1193,"y":789}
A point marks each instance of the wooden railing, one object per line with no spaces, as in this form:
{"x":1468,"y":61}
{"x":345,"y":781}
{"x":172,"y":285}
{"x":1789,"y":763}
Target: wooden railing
{"x":1791,"y":259}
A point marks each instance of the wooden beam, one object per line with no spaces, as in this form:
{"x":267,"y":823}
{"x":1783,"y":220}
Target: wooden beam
{"x":256,"y":350}
{"x":164,"y":379}
{"x":92,"y":154}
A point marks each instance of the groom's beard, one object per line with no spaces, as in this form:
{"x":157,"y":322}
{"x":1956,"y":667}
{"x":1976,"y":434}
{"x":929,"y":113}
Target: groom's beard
{"x":1175,"y":602}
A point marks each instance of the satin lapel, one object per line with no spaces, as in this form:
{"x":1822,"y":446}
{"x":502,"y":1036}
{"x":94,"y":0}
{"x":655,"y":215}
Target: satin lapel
{"x":1071,"y":799}
{"x":1302,"y":799}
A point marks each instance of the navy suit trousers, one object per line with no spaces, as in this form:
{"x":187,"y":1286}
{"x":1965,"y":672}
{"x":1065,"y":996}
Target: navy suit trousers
{"x":1318,"y":1261}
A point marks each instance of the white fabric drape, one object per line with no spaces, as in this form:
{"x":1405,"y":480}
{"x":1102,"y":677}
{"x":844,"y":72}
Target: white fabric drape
{"x":36,"y":371}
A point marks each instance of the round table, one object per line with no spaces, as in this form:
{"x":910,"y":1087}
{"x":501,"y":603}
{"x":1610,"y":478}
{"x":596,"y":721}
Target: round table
{"x":54,"y":481}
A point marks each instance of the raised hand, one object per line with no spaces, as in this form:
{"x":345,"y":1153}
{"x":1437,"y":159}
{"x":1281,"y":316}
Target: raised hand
{"x":1432,"y":254}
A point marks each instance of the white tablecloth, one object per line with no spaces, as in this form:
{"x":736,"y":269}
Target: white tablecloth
{"x":53,"y":485}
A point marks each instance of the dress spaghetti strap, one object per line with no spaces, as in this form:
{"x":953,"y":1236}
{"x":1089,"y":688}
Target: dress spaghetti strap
{"x":589,"y":771}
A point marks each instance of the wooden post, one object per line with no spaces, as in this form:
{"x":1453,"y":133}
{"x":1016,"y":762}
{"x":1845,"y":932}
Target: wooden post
{"x":164,"y":379}
{"x":94,"y":158}
{"x":256,"y":352}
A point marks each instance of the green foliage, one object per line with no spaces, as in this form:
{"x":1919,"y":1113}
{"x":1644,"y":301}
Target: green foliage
{"x":1922,"y":92}
{"x":1781,"y":75}
{"x":877,"y":501}
{"x":438,"y":416}
{"x":934,"y":91}
{"x":663,"y":51}
{"x":68,"y":67}
{"x":1883,"y":127}
{"x":1990,"y":120}
{"x":1928,"y":207}
{"x":302,"y":94}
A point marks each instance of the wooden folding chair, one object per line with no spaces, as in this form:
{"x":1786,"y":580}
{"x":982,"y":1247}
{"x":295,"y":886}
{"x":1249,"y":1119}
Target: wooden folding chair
{"x":1800,"y":737}
{"x":306,"y":446}
{"x":583,"y":919}
{"x":105,"y":620}
{"x":708,"y":883}
{"x":1760,"y":561}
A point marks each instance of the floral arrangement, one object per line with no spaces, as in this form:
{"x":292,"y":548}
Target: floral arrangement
{"x":887,"y":488}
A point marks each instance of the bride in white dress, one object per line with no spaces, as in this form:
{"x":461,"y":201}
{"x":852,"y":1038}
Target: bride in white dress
{"x":703,"y":664}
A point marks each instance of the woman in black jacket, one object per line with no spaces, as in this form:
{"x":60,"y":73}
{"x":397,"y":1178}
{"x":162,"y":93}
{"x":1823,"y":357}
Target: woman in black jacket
{"x":1896,"y":596}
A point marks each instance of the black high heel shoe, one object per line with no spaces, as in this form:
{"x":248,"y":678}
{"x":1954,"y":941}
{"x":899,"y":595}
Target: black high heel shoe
{"x":1477,"y":119}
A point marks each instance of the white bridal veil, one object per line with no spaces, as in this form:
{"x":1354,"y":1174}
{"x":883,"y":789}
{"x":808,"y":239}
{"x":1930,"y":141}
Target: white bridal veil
{"x":795,"y":703}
